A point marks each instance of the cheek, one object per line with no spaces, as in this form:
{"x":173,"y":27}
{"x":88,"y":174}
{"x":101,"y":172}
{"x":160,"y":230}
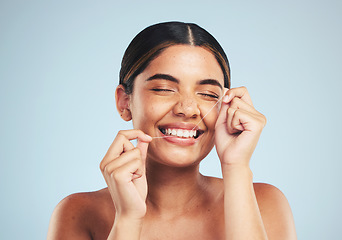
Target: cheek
{"x":211,"y":114}
{"x":152,"y":108}
{"x":149,"y":110}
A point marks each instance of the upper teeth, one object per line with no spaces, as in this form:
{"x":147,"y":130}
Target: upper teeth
{"x":181,"y":132}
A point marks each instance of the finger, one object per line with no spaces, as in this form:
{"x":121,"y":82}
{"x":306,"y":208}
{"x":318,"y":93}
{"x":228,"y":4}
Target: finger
{"x":225,"y":90}
{"x":121,"y":160}
{"x":240,"y":92}
{"x":143,"y":146}
{"x":135,"y":134}
{"x":124,"y":137}
{"x":143,"y":141}
{"x":122,"y":144}
{"x":222,"y":117}
{"x":236,"y":122}
{"x":242,"y":120}
{"x":129,"y":171}
{"x":238,"y":103}
{"x":233,"y":124}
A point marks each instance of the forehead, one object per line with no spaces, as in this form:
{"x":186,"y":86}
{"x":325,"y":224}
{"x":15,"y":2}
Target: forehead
{"x":186,"y":60}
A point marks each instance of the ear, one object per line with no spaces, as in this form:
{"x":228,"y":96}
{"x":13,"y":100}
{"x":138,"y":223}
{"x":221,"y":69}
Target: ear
{"x":122,"y":100}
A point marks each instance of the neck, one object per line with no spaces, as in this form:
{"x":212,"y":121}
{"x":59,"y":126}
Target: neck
{"x":174,"y":189}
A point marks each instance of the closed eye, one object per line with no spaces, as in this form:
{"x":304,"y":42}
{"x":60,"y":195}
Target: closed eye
{"x":161,"y":90}
{"x":209,"y":95}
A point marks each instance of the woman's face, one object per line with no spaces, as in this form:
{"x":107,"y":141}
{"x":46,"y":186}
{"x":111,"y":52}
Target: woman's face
{"x":169,"y":99}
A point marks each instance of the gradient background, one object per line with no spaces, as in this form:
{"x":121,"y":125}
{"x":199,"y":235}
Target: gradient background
{"x":59,"y":65}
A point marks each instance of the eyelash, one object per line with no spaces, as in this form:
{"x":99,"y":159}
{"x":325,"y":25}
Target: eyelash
{"x":169,"y":90}
{"x":209,"y":95}
{"x":161,"y":90}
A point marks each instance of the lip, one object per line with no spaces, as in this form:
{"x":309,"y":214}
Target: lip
{"x":181,"y":125}
{"x":179,"y":140}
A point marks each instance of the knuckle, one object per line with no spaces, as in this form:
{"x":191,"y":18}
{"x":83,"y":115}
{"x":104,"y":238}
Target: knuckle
{"x":230,"y":130}
{"x":121,"y":134}
{"x":261,"y":120}
{"x":107,"y":170}
{"x":102,"y":166}
{"x":264,"y":119}
{"x":243,"y":89}
{"x":231,"y":110}
{"x":237,"y":112}
{"x":136,"y":151}
{"x":231,"y":113}
{"x":234,"y":101}
{"x":117,"y":175}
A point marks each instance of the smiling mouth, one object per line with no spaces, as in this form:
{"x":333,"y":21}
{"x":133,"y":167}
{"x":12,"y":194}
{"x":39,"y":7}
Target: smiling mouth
{"x":181,"y":133}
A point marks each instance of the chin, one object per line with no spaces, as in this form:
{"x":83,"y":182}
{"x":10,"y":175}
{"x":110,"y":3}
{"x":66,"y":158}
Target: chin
{"x":177,"y":158}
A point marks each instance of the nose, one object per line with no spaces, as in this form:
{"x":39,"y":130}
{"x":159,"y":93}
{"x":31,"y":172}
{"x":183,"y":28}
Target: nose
{"x":186,"y":107}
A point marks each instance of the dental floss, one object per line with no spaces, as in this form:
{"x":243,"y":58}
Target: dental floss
{"x":200,"y":120}
{"x":208,"y":112}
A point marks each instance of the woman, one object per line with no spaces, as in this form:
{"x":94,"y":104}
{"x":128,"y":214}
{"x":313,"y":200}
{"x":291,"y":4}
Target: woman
{"x":174,"y":86}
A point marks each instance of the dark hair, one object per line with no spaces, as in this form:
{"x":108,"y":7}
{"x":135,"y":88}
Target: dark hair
{"x":151,"y":41}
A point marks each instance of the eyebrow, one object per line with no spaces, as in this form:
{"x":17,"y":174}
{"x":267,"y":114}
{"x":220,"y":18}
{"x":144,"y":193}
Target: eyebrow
{"x":163,"y":76}
{"x":211,"y":82}
{"x":173,"y":79}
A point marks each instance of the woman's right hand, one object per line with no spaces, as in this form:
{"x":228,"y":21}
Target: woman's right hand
{"x":123,"y":168}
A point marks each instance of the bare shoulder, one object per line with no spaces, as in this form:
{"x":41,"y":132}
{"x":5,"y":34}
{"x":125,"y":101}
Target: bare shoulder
{"x":275,"y":211}
{"x":270,"y":198}
{"x":78,"y":215}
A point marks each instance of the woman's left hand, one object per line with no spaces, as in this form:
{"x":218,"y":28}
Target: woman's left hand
{"x":238,"y":128}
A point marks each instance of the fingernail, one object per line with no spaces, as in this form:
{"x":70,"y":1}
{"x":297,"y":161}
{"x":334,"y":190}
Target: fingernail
{"x":225,"y":99}
{"x":149,"y":137}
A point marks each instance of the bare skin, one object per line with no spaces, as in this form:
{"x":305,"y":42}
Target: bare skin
{"x":155,"y":190}
{"x":91,"y":216}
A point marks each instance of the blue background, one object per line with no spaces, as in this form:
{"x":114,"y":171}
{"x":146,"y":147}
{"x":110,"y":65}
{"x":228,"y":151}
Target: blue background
{"x":59,"y":65}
